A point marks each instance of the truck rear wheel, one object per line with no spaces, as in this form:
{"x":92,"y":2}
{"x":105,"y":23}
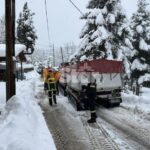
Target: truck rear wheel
{"x":108,"y":105}
{"x":117,"y":104}
{"x":64,"y":92}
{"x":78,"y":106}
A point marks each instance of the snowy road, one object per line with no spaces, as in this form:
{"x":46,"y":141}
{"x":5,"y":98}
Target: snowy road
{"x":67,"y":130}
{"x":116,"y":128}
{"x":127,"y":129}
{"x":71,"y":131}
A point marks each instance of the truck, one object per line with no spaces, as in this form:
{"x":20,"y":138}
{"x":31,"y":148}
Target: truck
{"x":106,"y":73}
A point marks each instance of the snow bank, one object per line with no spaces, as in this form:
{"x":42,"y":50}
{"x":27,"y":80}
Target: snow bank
{"x":2,"y":95}
{"x":24,"y":65}
{"x":138,"y":104}
{"x":22,"y":125}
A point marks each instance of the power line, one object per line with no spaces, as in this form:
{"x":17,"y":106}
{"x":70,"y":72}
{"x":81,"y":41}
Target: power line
{"x":47,"y":21}
{"x":78,"y":9}
{"x":48,"y":30}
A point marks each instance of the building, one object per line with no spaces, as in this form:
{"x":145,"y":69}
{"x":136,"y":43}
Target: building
{"x":19,"y":58}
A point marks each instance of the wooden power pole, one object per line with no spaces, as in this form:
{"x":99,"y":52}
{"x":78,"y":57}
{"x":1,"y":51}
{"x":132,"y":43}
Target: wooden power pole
{"x":10,"y":76}
{"x":14,"y":39}
{"x":62,"y":56}
{"x":53,"y":56}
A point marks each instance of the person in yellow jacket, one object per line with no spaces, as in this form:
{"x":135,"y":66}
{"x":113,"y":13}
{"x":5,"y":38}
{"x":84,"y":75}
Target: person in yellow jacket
{"x":57,"y":75}
{"x":46,"y":73}
{"x":51,"y":90}
{"x":45,"y":76}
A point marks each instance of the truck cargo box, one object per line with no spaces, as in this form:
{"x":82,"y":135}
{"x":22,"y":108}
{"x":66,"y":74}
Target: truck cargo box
{"x":106,"y":73}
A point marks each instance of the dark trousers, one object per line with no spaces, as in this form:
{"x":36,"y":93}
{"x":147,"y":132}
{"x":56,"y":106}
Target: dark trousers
{"x":52,"y":97}
{"x":91,"y":102}
{"x":92,"y":105}
{"x":57,"y":89}
{"x":45,"y":86}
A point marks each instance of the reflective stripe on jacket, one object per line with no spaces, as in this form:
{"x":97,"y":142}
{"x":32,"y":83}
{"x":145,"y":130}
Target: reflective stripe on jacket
{"x":51,"y":84}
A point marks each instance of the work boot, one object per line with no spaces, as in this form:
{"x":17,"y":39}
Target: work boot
{"x":92,"y":120}
{"x":93,"y":115}
{"x":50,"y":102}
{"x":55,"y":99}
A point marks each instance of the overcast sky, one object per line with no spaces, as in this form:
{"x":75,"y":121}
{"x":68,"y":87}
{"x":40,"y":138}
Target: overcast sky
{"x":64,"y":21}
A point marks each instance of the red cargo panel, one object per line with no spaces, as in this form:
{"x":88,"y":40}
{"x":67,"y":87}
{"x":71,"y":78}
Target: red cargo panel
{"x":100,"y":65}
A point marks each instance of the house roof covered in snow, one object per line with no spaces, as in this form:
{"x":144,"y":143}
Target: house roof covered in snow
{"x":18,"y":49}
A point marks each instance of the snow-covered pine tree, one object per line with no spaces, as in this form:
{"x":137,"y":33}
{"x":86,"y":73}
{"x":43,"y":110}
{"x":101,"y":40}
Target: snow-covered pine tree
{"x":26,"y":33}
{"x":140,"y":25}
{"x":106,"y":33}
{"x":2,"y":30}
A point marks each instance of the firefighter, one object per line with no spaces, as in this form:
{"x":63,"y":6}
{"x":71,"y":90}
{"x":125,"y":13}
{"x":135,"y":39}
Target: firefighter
{"x":45,"y":77}
{"x":52,"y":90}
{"x":84,"y":98}
{"x":57,"y":77}
{"x":91,"y":94}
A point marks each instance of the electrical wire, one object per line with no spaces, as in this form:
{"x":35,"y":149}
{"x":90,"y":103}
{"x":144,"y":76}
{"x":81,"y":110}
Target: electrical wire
{"x":48,"y":30}
{"x":47,"y":21}
{"x":79,"y":10}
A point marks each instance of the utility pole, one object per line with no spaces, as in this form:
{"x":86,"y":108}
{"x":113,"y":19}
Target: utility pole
{"x":67,"y":48}
{"x":13,"y":34}
{"x":62,"y":55}
{"x":53,"y":56}
{"x":10,"y":83}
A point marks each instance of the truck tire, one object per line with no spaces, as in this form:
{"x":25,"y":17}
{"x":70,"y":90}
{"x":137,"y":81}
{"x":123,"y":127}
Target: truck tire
{"x":107,"y":104}
{"x":117,"y":104}
{"x":65,"y":93}
{"x":78,"y":106}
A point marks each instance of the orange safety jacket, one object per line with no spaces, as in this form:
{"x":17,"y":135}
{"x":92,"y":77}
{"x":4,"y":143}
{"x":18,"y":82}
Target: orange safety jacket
{"x":57,"y":75}
{"x":45,"y":74}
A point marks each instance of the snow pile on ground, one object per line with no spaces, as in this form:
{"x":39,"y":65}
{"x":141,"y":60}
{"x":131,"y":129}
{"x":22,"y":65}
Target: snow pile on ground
{"x":22,"y":125}
{"x":138,"y":104}
{"x":25,"y":65}
{"x":2,"y":95}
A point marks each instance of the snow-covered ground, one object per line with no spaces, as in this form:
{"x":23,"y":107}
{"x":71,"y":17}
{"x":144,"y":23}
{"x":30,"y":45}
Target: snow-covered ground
{"x":140,"y":105}
{"x":22,"y":125}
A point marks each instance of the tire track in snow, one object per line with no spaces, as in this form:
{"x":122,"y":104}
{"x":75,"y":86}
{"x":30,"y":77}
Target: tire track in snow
{"x":99,"y":138}
{"x":130,"y":128}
